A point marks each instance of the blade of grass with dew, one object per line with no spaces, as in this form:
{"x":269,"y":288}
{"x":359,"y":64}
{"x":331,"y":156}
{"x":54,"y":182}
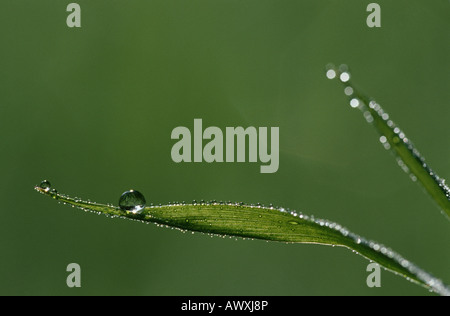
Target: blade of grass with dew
{"x":395,"y":140}
{"x":259,"y":222}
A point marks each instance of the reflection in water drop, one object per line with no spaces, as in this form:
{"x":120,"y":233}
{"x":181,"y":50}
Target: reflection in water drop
{"x":132,"y":201}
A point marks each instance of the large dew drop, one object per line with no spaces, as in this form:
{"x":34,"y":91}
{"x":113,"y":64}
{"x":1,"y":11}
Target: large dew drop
{"x":132,"y":201}
{"x":45,"y":185}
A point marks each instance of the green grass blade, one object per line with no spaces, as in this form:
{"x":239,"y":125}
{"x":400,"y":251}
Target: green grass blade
{"x":395,"y":140}
{"x":259,"y":222}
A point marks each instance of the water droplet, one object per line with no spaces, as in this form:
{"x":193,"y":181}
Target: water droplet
{"x":348,"y":91}
{"x":45,"y":185}
{"x":132,"y":201}
{"x":384,"y":142}
{"x":343,"y":68}
{"x":345,"y":76}
{"x":354,"y":103}
{"x":331,"y":74}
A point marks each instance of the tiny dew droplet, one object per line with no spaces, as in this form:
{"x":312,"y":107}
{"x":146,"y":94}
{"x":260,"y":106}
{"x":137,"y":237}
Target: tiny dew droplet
{"x":45,"y":185}
{"x":345,"y":76}
{"x":354,"y":103}
{"x":331,"y":74}
{"x":54,"y":193}
{"x":132,"y":201}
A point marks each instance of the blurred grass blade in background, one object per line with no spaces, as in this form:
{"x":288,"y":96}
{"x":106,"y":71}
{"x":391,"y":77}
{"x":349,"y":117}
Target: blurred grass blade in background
{"x":395,"y":140}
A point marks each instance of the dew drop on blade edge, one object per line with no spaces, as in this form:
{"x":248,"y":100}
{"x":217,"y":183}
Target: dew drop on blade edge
{"x":132,"y":201}
{"x":45,"y":185}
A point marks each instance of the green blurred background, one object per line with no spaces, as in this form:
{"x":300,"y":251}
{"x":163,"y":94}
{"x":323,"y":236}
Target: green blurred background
{"x":92,"y":109}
